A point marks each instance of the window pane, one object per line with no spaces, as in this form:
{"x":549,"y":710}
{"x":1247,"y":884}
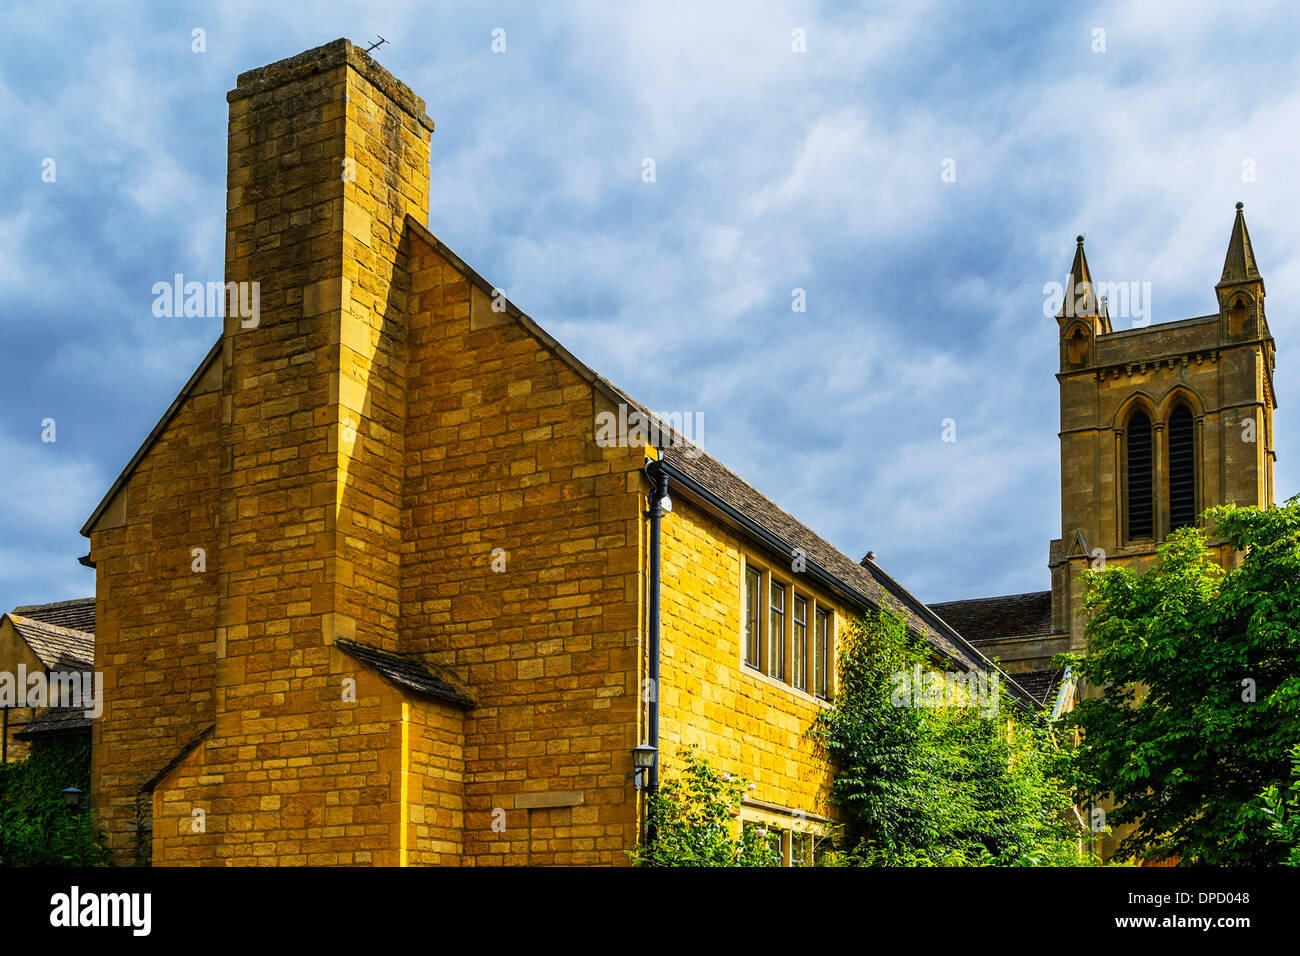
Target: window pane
{"x":776,"y":634}
{"x":753,"y":592}
{"x":800,"y":649}
{"x":822,"y":639}
{"x":815,"y":659}
{"x":820,"y":849}
{"x":799,"y":849}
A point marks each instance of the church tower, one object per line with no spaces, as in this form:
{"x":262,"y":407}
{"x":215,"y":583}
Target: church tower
{"x":1158,"y":422}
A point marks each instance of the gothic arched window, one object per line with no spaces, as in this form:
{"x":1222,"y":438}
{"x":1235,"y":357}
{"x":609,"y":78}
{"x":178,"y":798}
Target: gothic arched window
{"x":1140,"y":523}
{"x":1182,"y":469}
{"x":1238,"y":316}
{"x":1076,"y":347}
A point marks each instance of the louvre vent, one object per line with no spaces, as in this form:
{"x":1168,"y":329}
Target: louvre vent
{"x":1182,"y":469}
{"x":1139,"y":476}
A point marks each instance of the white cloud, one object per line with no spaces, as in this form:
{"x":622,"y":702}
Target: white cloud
{"x":776,"y":169}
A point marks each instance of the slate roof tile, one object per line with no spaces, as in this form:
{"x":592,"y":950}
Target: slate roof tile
{"x":56,"y":722}
{"x":59,"y":648}
{"x":981,"y":620}
{"x":408,"y":672}
{"x":78,"y":614}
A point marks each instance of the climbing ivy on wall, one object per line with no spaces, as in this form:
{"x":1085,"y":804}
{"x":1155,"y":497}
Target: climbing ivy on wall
{"x":36,"y":827}
{"x":941,"y":785}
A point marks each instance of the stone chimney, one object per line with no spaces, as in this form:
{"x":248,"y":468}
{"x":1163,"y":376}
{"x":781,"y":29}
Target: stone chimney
{"x":328,"y":154}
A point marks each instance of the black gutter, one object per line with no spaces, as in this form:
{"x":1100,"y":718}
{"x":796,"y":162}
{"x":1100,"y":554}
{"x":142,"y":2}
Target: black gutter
{"x":830,"y":581}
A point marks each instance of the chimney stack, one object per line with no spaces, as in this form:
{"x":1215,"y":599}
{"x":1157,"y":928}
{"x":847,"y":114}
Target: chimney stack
{"x":328,"y":155}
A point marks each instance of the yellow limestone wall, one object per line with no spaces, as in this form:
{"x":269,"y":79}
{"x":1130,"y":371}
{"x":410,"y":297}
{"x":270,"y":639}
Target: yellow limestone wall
{"x":382,"y":788}
{"x":502,"y":465}
{"x":155,"y":616}
{"x":13,"y":653}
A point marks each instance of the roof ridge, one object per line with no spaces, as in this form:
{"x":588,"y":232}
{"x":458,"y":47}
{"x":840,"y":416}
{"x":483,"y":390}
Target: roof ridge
{"x":51,"y":604}
{"x":46,"y":625}
{"x":993,"y":597}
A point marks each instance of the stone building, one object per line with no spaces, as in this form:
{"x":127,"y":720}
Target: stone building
{"x":374,"y":590}
{"x":1158,"y":423}
{"x":55,"y":642}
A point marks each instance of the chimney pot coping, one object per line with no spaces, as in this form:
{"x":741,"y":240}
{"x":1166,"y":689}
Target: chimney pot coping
{"x":338,"y":53}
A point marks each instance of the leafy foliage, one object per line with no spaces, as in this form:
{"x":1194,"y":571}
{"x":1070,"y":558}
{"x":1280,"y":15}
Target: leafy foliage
{"x":36,"y":828}
{"x":940,"y":786}
{"x":692,"y":819}
{"x":1199,"y":705}
{"x":1284,"y":812}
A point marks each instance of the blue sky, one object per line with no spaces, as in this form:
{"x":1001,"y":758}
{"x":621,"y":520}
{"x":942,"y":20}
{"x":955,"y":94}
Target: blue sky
{"x":775,"y":170}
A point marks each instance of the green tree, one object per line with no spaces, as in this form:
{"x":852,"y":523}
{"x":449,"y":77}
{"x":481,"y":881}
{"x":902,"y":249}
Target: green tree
{"x":1199,"y":678}
{"x":1284,"y":812}
{"x":943,"y":785}
{"x":692,"y":818}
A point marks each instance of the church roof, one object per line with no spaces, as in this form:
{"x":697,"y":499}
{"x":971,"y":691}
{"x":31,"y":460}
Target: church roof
{"x":78,"y":614}
{"x":981,"y":620}
{"x":1009,"y":617}
{"x":868,"y":579}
